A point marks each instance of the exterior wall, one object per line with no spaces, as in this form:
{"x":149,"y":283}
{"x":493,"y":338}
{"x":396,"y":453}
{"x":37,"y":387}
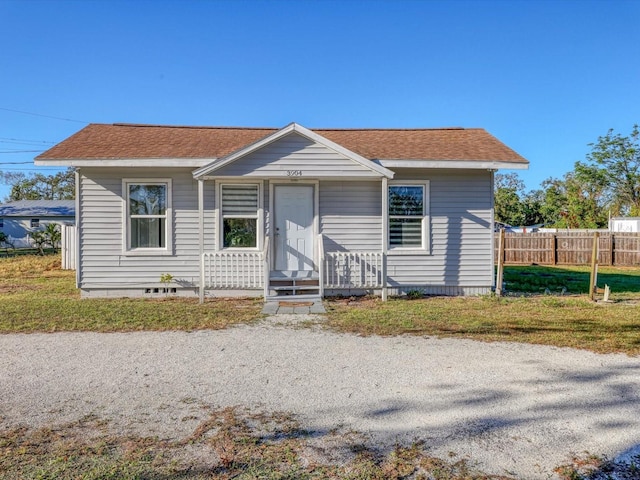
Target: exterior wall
{"x":102,"y":260}
{"x":18,"y":228}
{"x":351,"y":215}
{"x":295,"y":153}
{"x":458,"y":261}
{"x":460,"y":258}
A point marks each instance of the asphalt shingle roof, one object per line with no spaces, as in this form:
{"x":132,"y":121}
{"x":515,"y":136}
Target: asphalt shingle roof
{"x":129,"y":141}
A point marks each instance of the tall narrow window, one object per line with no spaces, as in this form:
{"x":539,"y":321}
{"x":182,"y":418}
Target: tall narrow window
{"x":147,"y":210}
{"x":239,"y":216}
{"x":406,"y":216}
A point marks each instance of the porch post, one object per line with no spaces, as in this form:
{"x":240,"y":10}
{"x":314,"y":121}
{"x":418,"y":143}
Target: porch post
{"x":385,"y":236}
{"x":201,"y":236}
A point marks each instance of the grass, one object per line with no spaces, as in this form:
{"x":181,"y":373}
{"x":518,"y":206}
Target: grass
{"x":624,"y":281}
{"x":527,"y":315}
{"x":229,"y":444}
{"x":36,"y":296}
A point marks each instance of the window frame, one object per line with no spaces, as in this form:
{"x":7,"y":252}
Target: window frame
{"x":425,"y":246}
{"x":221,"y":216}
{"x":34,"y":223}
{"x":126,"y":218}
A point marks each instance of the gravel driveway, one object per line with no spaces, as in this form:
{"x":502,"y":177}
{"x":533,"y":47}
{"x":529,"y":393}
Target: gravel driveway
{"x":512,"y":408}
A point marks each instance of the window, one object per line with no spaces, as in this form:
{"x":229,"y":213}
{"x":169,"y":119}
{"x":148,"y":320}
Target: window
{"x":35,"y":223}
{"x":240,"y":206}
{"x":408,"y":206}
{"x":148,"y":215}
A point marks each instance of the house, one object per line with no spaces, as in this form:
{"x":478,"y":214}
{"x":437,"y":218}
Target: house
{"x":291,"y":211}
{"x":624,"y":224}
{"x":19,"y":218}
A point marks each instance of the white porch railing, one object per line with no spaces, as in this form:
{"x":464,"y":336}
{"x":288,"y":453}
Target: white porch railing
{"x":321,"y":262}
{"x":353,"y":269}
{"x":242,"y":270}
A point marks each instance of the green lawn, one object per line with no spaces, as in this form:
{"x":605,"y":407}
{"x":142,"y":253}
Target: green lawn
{"x":526,"y":314}
{"x":623,"y":281}
{"x":36,"y":296}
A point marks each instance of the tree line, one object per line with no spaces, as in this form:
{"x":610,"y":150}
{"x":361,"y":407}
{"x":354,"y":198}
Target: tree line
{"x":606,"y":183}
{"x":38,"y":186}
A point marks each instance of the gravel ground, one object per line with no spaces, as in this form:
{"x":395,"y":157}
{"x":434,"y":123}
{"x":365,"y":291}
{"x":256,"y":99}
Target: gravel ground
{"x":512,"y":408}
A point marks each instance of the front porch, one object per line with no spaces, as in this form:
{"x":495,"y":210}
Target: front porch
{"x":336,"y":271}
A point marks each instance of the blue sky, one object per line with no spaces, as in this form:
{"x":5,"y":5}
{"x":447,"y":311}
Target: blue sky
{"x":545,"y":77}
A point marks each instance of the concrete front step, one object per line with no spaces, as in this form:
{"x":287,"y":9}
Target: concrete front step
{"x":299,"y":306}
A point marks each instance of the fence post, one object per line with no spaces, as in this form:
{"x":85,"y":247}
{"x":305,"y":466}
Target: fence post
{"x":500,"y":263}
{"x":594,"y":267}
{"x":554,"y":246}
{"x":612,"y":240}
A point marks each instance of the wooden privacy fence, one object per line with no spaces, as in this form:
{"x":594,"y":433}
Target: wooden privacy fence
{"x":567,"y":248}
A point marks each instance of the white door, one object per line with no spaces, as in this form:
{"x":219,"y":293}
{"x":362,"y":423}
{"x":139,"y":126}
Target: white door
{"x":294,"y":227}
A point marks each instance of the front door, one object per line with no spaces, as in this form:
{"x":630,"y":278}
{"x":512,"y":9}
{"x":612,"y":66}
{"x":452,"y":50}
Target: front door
{"x":294,"y":227}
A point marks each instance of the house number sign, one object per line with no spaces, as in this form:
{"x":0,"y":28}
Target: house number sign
{"x":294,"y":173}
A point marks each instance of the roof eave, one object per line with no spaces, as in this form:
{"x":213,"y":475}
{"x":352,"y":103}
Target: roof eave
{"x":124,"y":162}
{"x":454,"y":164}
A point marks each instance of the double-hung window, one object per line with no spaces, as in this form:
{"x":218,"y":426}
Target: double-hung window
{"x":148,"y":215}
{"x":240,"y":212}
{"x":408,"y":215}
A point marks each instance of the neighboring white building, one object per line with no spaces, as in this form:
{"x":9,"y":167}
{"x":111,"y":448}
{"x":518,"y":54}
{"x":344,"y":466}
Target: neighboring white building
{"x":19,"y":218}
{"x":290,"y":211}
{"x":624,"y":224}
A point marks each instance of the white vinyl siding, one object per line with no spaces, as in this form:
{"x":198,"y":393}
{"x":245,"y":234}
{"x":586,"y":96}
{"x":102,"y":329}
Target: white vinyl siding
{"x":460,"y":250}
{"x":295,"y":156}
{"x":351,"y":215}
{"x":101,"y":258}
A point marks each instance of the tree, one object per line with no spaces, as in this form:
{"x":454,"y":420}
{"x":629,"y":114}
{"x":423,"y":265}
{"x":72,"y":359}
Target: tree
{"x":50,"y":235}
{"x":53,"y":235}
{"x":578,"y":200}
{"x":37,"y":186}
{"x":617,"y":159}
{"x":508,"y":207}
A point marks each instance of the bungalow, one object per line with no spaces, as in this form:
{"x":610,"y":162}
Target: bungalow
{"x":19,"y":218}
{"x":260,"y":211}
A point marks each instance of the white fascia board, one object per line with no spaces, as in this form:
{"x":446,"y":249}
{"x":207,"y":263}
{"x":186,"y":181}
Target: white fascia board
{"x":455,"y":164}
{"x":305,"y":132}
{"x":287,"y":180}
{"x":127,"y":162}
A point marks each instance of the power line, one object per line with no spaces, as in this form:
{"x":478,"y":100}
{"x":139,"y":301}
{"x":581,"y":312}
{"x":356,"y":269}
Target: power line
{"x":15,"y":163}
{"x":26,"y":142}
{"x":42,"y":115}
{"x":20,"y":151}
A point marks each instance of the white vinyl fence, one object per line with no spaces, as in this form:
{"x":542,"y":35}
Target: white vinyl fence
{"x":68,"y":247}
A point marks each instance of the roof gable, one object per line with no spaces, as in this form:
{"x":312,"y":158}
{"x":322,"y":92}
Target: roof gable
{"x":338,"y":151}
